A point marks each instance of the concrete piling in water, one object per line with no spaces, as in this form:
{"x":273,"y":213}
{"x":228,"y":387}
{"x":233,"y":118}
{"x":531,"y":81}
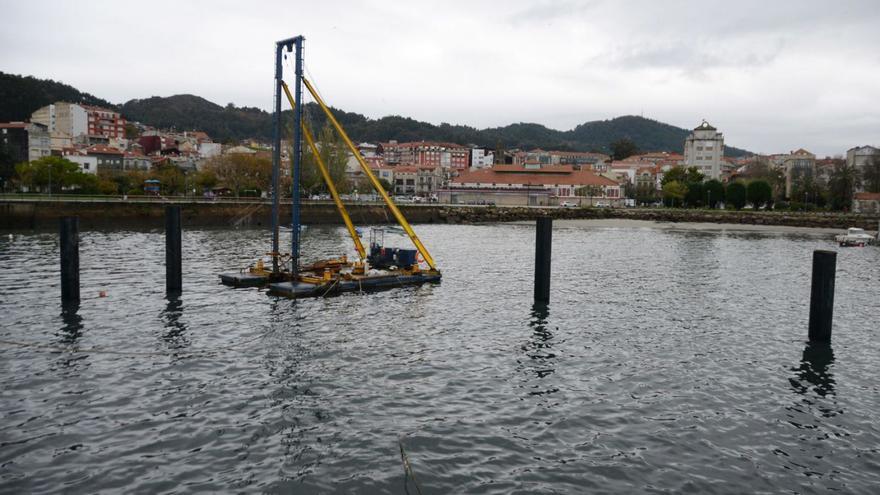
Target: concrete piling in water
{"x":69,"y":259}
{"x":543,"y":242}
{"x":822,"y":295}
{"x":173,"y":277}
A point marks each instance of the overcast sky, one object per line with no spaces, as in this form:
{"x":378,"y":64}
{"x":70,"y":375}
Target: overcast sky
{"x":772,"y":75}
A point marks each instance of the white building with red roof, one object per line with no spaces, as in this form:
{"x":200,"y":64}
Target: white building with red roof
{"x":521,"y":185}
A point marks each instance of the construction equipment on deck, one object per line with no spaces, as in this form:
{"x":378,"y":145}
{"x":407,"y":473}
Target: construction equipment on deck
{"x":384,"y":267}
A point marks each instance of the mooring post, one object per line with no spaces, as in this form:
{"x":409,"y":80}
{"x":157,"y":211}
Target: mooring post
{"x":69,"y":259}
{"x":173,"y":278}
{"x":822,"y":295}
{"x":543,"y":242}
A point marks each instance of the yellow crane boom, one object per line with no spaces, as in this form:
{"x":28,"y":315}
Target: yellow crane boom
{"x":369,"y":173}
{"x":327,"y":179}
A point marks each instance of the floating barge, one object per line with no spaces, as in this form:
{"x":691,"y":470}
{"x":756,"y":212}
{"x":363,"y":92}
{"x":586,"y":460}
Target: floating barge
{"x":384,"y":268}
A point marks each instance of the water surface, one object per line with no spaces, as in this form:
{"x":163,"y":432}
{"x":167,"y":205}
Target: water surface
{"x":668,"y":361}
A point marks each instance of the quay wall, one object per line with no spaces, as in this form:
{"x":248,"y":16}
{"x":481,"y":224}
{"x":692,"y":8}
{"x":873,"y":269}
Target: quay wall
{"x":44,"y":215}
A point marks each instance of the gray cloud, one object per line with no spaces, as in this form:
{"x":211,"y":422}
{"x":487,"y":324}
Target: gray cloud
{"x":773,"y":76}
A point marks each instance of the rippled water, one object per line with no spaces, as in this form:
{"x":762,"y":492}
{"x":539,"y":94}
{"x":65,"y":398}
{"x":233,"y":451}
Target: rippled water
{"x":667,"y":361}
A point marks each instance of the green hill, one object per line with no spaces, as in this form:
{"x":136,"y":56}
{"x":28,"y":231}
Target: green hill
{"x":190,"y":112}
{"x":20,"y":96}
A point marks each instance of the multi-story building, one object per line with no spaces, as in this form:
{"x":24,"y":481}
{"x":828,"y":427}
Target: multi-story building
{"x":861,"y":156}
{"x":87,"y":164}
{"x":536,"y":157}
{"x":577,"y":159}
{"x":426,"y":153}
{"x":428,"y":181}
{"x":104,"y":122}
{"x":368,"y":150}
{"x":383,"y":173}
{"x":110,"y":159}
{"x":14,"y":140}
{"x":67,"y":123}
{"x":39,"y":141}
{"x":704,"y":149}
{"x":25,"y":141}
{"x":405,"y":180}
{"x":797,"y":165}
{"x":481,"y":158}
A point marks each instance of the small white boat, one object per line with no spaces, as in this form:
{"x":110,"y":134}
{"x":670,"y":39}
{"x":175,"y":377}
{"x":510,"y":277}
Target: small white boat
{"x":854,"y":237}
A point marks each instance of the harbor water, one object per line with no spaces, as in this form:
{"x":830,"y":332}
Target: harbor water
{"x":668,"y":360}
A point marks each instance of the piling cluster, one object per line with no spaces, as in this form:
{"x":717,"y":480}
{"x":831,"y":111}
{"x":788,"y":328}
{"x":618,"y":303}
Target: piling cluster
{"x":69,"y":237}
{"x":821,"y":293}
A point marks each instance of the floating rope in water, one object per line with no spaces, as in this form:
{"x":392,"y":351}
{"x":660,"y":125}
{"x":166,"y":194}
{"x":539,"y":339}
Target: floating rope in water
{"x":408,"y":471}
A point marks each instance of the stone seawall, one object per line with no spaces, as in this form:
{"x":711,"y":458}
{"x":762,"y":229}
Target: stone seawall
{"x":44,"y":215}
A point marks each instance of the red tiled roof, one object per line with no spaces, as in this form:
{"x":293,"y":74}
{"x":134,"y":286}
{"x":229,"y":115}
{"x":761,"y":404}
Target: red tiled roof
{"x":549,"y":169}
{"x":103,"y":150}
{"x":867,"y":196}
{"x":493,"y":175}
{"x":13,"y":125}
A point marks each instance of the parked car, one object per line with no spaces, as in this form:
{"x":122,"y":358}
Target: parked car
{"x":601,"y":204}
{"x":567,"y":204}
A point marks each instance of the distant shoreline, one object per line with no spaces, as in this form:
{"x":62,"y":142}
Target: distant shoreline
{"x":700,"y":226}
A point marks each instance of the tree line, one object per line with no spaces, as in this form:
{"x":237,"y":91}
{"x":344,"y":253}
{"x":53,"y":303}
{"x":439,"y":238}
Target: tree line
{"x":763,"y":187}
{"x":234,"y":174}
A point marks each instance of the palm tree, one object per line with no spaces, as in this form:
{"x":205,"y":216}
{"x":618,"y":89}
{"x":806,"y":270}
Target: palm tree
{"x":844,"y":180}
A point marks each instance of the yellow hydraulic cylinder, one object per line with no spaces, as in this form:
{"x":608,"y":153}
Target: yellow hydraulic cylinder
{"x":369,"y":173}
{"x":332,"y":187}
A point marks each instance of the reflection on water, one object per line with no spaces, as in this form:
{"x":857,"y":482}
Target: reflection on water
{"x":814,"y":381}
{"x":72,"y":329}
{"x":175,"y":329}
{"x":539,"y":349}
{"x":813,"y":372}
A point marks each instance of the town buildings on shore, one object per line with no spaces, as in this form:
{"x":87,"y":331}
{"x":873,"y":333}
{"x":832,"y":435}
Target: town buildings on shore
{"x":99,"y":139}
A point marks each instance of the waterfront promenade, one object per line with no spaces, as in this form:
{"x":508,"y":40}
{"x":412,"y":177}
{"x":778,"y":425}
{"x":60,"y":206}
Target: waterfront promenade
{"x":42,"y":212}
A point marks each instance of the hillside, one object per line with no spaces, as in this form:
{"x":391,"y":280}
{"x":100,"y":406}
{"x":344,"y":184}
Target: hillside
{"x":232,"y":123}
{"x":190,"y":112}
{"x":20,"y":96}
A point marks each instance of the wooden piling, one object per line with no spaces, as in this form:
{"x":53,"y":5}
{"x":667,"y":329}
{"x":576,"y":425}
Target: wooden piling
{"x":173,"y":268}
{"x":822,"y":295}
{"x":69,"y":259}
{"x":543,"y":243}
